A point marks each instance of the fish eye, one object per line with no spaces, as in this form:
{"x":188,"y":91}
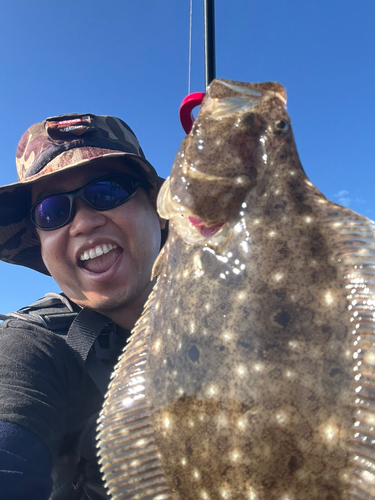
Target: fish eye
{"x":280,"y":127}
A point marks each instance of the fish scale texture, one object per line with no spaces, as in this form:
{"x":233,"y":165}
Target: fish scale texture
{"x":251,"y":373}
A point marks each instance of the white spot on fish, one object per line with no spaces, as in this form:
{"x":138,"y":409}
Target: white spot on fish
{"x":329,"y":298}
{"x":290,"y":374}
{"x":192,"y":327}
{"x":212,"y":390}
{"x":293,"y":344}
{"x":252,"y":494}
{"x":157,"y":345}
{"x":236,"y":270}
{"x":227,"y":336}
{"x":191,"y":423}
{"x":278,"y":277}
{"x":241,"y":370}
{"x":207,"y":307}
{"x":258,"y":367}
{"x":308,"y":220}
{"x":241,"y":424}
{"x":239,"y":179}
{"x":222,"y":259}
{"x":369,"y":357}
{"x":272,"y":234}
{"x":245,"y":246}
{"x":292,"y":172}
{"x":196,"y":474}
{"x":329,"y":433}
{"x":224,"y":493}
{"x":183,"y":461}
{"x":205,"y":495}
{"x":167,"y":422}
{"x":282,"y":418}
{"x":235,"y":455}
{"x":241,"y":296}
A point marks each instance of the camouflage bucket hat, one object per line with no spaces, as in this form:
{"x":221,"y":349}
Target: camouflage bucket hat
{"x":46,"y":148}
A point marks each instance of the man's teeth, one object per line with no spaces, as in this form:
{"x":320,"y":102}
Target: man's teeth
{"x":97,"y":251}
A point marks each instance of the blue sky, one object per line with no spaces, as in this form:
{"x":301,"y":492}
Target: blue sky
{"x":129,"y":58}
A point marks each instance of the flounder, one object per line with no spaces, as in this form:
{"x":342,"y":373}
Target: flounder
{"x":251,"y":374}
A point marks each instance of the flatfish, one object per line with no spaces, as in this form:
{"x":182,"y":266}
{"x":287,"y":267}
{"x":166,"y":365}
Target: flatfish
{"x":251,"y":374}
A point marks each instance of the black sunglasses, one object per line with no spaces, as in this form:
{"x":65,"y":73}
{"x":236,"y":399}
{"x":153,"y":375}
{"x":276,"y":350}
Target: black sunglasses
{"x":105,"y":193}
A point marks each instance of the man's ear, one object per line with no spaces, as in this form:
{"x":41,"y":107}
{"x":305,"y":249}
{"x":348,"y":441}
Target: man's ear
{"x":153,"y":195}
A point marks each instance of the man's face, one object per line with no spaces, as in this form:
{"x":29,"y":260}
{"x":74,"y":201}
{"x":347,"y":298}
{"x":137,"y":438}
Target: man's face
{"x":116,"y":283}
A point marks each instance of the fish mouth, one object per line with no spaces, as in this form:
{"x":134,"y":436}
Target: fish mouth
{"x":206,"y":231}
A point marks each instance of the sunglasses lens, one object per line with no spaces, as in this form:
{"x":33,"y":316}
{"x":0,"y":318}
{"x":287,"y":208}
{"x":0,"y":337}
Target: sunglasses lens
{"x":103,"y":194}
{"x":52,"y":212}
{"x":106,"y":194}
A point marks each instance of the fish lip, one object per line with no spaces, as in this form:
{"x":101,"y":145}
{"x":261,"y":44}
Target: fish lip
{"x":204,"y":228}
{"x":92,"y":244}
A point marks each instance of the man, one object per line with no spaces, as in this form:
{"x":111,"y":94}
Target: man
{"x":83,"y":211}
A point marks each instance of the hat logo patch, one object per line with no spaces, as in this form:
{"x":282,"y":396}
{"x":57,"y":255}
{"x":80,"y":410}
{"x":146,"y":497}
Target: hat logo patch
{"x":69,"y":125}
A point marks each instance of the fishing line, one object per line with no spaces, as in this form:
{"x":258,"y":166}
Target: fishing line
{"x":190,"y":37}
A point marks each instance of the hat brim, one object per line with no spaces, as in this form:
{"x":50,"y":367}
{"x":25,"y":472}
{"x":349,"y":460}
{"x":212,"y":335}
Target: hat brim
{"x":19,"y":243}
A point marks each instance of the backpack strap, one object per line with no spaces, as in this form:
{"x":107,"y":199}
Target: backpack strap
{"x":55,"y":312}
{"x":82,"y":334}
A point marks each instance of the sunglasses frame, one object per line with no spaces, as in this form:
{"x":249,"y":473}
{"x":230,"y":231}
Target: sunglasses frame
{"x":79,"y":193}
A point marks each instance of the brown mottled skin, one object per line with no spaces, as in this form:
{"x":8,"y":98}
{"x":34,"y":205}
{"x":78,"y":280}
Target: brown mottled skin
{"x":248,"y":379}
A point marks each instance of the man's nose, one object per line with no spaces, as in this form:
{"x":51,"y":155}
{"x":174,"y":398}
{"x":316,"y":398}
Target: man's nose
{"x":86,"y":218}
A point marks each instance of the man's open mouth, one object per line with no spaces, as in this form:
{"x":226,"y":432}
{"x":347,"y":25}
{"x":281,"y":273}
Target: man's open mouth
{"x":100,"y":258}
